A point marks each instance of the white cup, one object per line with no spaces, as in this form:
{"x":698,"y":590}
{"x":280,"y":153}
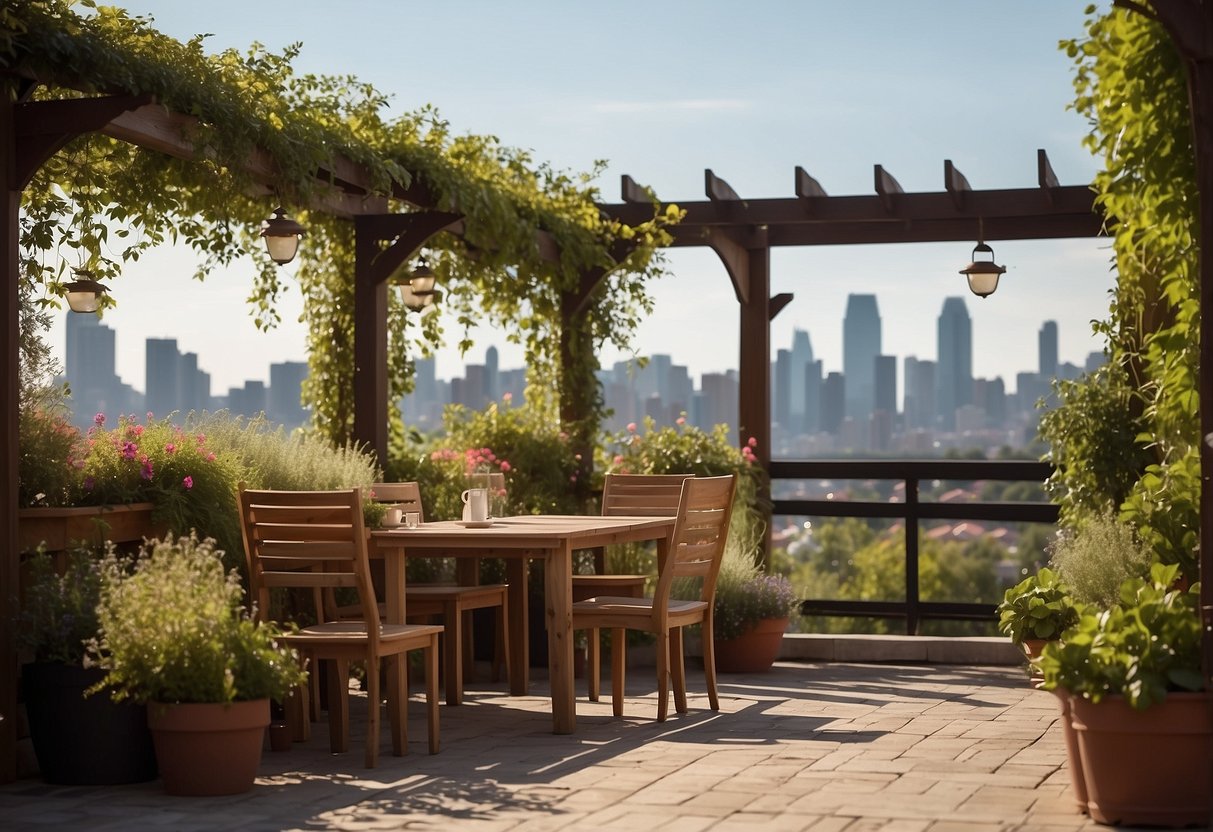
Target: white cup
{"x":476,"y":505}
{"x":392,"y":518}
{"x":412,"y":519}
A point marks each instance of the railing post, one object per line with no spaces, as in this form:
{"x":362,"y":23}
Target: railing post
{"x":911,"y":555}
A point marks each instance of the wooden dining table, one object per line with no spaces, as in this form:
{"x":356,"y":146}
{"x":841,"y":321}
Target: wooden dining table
{"x":549,"y":538}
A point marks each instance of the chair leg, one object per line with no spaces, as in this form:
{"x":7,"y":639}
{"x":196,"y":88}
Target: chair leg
{"x":467,"y":650}
{"x":663,"y":676}
{"x":619,"y":659}
{"x":398,"y":703}
{"x":373,"y":706}
{"x":709,"y":661}
{"x":678,"y":671}
{"x":431,"y":692}
{"x":298,"y":707}
{"x":593,"y":664}
{"x":501,"y":655}
{"x":339,"y":705}
{"x":452,"y":665}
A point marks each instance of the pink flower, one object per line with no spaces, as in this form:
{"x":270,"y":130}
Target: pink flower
{"x":138,"y":429}
{"x":618,"y":460}
{"x":505,"y":467}
{"x":150,"y":417}
{"x":573,"y":478}
{"x":681,"y":420}
{"x":129,"y":450}
{"x":188,"y":482}
{"x":507,"y":397}
{"x":99,"y":420}
{"x":89,"y":482}
{"x":753,"y":443}
{"x":631,"y":427}
{"x":145,"y":469}
{"x":210,"y":457}
{"x":577,"y":457}
{"x":170,"y":448}
{"x":201,"y":438}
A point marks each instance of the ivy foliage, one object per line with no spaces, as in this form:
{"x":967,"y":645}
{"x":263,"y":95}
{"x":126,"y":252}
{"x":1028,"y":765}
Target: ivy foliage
{"x":100,"y":203}
{"x":1131,"y":85}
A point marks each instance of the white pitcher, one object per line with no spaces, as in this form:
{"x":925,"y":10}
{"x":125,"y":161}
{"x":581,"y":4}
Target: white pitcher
{"x":476,"y":504}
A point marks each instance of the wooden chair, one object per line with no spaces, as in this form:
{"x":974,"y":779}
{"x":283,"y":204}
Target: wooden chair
{"x":646,"y":495}
{"x":695,"y":550}
{"x":452,"y":603}
{"x":316,"y":539}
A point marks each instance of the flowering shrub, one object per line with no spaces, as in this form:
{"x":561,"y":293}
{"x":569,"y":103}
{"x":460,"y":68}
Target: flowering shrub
{"x":51,"y":455}
{"x":532,"y":454}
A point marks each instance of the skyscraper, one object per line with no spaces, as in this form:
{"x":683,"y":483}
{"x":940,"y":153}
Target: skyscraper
{"x":954,"y":370}
{"x":1048,"y":349}
{"x":801,"y":357}
{"x":919,"y":383}
{"x":781,"y":390}
{"x":162,"y":376}
{"x":833,"y":399}
{"x":860,"y":346}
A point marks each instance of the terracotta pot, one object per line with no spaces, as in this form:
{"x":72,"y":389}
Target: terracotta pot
{"x":1033,"y":646}
{"x":208,"y":749}
{"x":753,"y":651}
{"x":1150,"y":767}
{"x":1077,"y":778}
{"x":280,"y":736}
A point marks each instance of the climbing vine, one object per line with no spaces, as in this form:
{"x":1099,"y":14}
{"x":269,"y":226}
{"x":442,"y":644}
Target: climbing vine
{"x":100,"y":203}
{"x":1130,"y":83}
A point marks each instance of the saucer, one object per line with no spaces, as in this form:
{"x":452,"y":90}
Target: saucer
{"x":386,"y":525}
{"x":475,"y":524}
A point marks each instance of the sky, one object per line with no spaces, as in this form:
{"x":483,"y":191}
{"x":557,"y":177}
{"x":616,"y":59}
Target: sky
{"x":663,"y":90}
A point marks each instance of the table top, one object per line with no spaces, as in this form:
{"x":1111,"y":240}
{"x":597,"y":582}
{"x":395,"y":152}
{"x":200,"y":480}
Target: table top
{"x":537,"y":531}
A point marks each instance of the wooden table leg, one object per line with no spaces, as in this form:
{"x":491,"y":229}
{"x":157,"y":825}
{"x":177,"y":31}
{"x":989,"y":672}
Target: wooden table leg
{"x":558,"y":575}
{"x":520,"y":657}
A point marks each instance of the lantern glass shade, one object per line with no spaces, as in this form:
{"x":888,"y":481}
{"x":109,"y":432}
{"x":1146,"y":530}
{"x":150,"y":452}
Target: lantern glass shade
{"x":282,"y":235}
{"x":422,"y":283}
{"x":84,"y":295}
{"x":983,"y":274}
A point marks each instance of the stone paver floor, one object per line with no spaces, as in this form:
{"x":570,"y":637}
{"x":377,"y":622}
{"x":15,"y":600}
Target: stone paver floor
{"x":826,"y":747}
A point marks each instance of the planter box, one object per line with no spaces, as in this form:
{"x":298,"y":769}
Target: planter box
{"x":60,"y":528}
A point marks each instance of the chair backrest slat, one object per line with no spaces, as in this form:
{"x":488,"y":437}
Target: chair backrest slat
{"x":407,"y":495}
{"x":306,"y":539}
{"x":646,"y":495}
{"x":701,"y":531}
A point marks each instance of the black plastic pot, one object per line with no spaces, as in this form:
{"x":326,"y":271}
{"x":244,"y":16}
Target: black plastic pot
{"x":83,"y":740}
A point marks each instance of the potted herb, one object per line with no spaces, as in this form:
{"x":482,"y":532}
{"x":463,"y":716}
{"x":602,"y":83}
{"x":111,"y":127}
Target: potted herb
{"x":79,"y":739}
{"x":1138,"y":704}
{"x":1036,"y":610}
{"x":750,"y":614}
{"x":174,"y":634}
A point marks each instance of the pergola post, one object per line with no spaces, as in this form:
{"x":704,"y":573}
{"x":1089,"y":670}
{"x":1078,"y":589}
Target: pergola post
{"x":9,"y":406}
{"x":754,"y":370}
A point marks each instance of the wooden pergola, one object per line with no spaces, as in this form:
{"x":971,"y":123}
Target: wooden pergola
{"x":742,"y":232}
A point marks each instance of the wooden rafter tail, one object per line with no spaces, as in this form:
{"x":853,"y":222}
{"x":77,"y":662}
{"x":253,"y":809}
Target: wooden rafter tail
{"x":887,"y":188}
{"x":1045,"y":176}
{"x":955,"y":183}
{"x":807,"y":189}
{"x":635,"y":193}
{"x":717,"y":189}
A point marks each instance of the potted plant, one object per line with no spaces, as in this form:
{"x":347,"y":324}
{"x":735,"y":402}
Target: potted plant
{"x":1036,"y":610}
{"x":174,"y":634}
{"x":79,"y":739}
{"x":1138,"y":704}
{"x":750,"y":614}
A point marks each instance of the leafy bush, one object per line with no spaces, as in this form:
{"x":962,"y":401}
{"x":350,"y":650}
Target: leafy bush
{"x":58,"y":614}
{"x":1037,"y":607}
{"x":1142,"y":648}
{"x":174,"y":630}
{"x":1096,"y":558}
{"x":51,"y":454}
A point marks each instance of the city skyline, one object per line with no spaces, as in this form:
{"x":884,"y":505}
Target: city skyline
{"x":773,"y":106}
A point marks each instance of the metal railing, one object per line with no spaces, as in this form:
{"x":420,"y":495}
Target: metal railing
{"x":911,"y":472}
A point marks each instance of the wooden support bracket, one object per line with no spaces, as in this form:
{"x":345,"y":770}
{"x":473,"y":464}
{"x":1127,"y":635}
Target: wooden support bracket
{"x":778,"y":302}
